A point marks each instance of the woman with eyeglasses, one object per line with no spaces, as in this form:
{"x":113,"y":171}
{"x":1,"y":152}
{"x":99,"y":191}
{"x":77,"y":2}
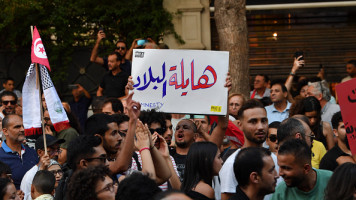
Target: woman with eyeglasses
{"x":92,"y":183}
{"x":202,"y":164}
{"x":56,"y":169}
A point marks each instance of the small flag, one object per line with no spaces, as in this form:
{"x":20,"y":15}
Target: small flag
{"x":38,"y":53}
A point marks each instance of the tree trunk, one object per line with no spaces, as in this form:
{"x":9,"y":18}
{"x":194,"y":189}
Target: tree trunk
{"x":230,"y":18}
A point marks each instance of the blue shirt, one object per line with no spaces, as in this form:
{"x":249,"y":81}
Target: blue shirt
{"x":274,"y":115}
{"x":19,"y":164}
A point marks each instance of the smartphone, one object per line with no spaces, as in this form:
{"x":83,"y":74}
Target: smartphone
{"x":299,"y":53}
{"x":101,"y":28}
{"x":72,"y":86}
{"x":141,"y":42}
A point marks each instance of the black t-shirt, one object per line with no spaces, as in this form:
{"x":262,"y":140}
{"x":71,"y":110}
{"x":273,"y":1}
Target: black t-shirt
{"x":328,"y":162}
{"x":114,"y":86}
{"x":180,"y":162}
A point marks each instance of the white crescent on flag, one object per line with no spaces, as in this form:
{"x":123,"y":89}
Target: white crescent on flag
{"x":39,"y":49}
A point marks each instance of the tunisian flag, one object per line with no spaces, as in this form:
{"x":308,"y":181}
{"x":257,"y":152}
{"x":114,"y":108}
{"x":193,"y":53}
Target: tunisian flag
{"x":38,"y":53}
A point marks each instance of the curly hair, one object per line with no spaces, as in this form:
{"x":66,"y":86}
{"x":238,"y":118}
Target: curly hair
{"x":83,"y":183}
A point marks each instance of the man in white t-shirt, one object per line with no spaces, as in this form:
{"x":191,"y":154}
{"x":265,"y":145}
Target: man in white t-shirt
{"x":253,"y":121}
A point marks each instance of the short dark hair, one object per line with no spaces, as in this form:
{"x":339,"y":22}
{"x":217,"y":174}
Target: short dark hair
{"x":3,"y":186}
{"x":288,"y":128}
{"x":116,"y":104}
{"x":342,"y":183}
{"x":336,"y":119}
{"x":283,"y":87}
{"x":98,"y":124}
{"x":120,"y":118}
{"x":274,"y":124}
{"x":194,"y":126}
{"x":298,"y":148}
{"x":244,"y":165}
{"x":83,"y":182}
{"x":152,"y":116}
{"x":44,"y":182}
{"x":6,"y":120}
{"x":8,"y":93}
{"x":118,"y":56}
{"x":121,"y":41}
{"x":250,"y":104}
{"x":264,"y":76}
{"x":8,"y":79}
{"x":80,"y":148}
{"x":353,"y":62}
{"x":131,"y":187}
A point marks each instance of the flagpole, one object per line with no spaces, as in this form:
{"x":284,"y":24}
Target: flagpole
{"x":38,"y":86}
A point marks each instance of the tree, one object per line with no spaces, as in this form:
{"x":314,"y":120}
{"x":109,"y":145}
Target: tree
{"x":64,"y":25}
{"x":230,"y":17}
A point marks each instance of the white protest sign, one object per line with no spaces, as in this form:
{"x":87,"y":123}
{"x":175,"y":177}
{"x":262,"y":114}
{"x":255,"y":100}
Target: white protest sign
{"x":181,"y":81}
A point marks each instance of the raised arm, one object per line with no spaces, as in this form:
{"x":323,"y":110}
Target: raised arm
{"x":85,"y":92}
{"x":134,"y":45}
{"x":94,"y":53}
{"x":296,"y":65}
{"x":162,"y":170}
{"x":123,"y":159}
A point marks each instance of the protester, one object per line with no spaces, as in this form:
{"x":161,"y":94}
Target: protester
{"x":55,"y":168}
{"x":112,"y":106}
{"x":342,"y":184}
{"x":322,"y":93}
{"x":114,"y":82}
{"x":260,"y":87}
{"x":172,"y":195}
{"x":351,"y":70}
{"x":257,"y":177}
{"x":271,"y":140}
{"x":253,"y":121}
{"x":42,"y":187}
{"x":279,"y":110}
{"x":235,"y":103}
{"x":8,"y":190}
{"x":20,"y":158}
{"x":9,"y":103}
{"x":9,"y":85}
{"x":203,"y":162}
{"x":83,"y":152}
{"x":52,"y":153}
{"x":80,"y":104}
{"x":92,"y":183}
{"x":341,"y":152}
{"x":301,"y":181}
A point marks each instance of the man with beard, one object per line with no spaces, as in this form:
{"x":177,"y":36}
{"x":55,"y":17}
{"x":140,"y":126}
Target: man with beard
{"x":114,"y":82}
{"x":341,"y":152}
{"x":301,"y":181}
{"x":20,"y":158}
{"x":9,"y":103}
{"x":253,"y":121}
{"x":257,"y":177}
{"x":184,"y":137}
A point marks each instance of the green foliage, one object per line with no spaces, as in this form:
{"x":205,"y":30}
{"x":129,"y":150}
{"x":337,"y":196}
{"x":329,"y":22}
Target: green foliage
{"x":64,"y":24}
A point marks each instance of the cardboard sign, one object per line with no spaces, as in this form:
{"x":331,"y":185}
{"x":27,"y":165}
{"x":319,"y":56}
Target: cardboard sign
{"x":181,"y":81}
{"x":346,"y":93}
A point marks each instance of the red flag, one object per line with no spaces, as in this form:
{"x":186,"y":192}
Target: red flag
{"x":38,"y":53}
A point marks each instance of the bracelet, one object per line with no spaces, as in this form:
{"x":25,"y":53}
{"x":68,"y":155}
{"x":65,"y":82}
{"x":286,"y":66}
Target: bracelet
{"x":144,"y":148}
{"x":292,"y":74}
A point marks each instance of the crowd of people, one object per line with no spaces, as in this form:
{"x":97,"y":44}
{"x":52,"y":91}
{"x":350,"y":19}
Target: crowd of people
{"x":287,"y":140}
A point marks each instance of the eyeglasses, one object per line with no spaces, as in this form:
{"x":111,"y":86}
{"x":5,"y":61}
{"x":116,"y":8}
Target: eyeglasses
{"x":158,"y":130}
{"x":7,"y":102}
{"x":101,"y":158}
{"x":234,"y":104}
{"x":51,"y":152}
{"x":122,"y":48}
{"x":108,"y":187}
{"x":273,"y":138}
{"x":46,"y":119}
{"x":55,"y":172}
{"x":312,"y":137}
